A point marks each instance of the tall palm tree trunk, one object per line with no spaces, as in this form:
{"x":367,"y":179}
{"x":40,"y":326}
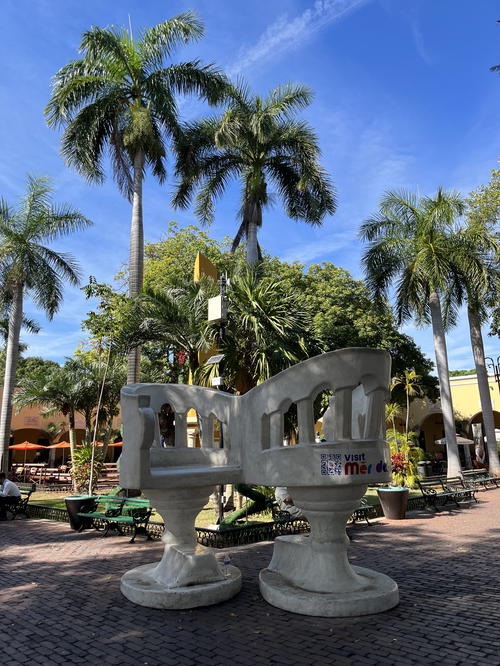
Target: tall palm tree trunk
{"x":476,"y":339}
{"x":454,"y":467}
{"x":136,"y":258}
{"x":407,"y":425}
{"x":72,"y":440}
{"x":252,"y":251}
{"x":9,"y":382}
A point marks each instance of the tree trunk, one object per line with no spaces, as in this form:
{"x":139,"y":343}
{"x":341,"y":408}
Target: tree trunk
{"x":72,"y":440}
{"x":252,"y":248}
{"x":407,"y":413}
{"x":9,"y":382}
{"x":454,"y":467}
{"x":136,"y":258}
{"x":476,"y":339}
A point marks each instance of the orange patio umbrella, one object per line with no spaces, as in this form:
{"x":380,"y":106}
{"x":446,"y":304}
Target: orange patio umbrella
{"x":112,"y":444}
{"x":26,"y":446}
{"x":60,"y":445}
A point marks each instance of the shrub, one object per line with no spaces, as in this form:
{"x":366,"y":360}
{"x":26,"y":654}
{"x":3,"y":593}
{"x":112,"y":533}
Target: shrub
{"x":404,"y":458}
{"x":82,"y":466}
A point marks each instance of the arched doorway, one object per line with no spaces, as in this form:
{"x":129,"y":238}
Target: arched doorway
{"x":478,"y":418}
{"x":34,"y":435}
{"x":431,"y":429}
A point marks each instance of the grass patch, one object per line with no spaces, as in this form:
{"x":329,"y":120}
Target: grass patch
{"x":207,"y":516}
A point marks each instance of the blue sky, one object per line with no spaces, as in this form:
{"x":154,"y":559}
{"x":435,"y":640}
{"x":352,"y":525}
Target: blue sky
{"x":403,"y":98}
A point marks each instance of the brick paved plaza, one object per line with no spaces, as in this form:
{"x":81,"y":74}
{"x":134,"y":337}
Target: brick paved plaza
{"x":61,"y":602}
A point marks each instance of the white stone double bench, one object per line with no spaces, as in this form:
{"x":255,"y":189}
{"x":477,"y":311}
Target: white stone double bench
{"x":309,"y":575}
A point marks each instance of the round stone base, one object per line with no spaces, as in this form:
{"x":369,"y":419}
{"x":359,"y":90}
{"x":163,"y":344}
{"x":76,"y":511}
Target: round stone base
{"x":140,"y":588}
{"x":380,"y":594}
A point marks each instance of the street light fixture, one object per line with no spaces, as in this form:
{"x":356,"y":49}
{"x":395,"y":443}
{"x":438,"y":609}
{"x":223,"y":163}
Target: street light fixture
{"x":490,"y":363}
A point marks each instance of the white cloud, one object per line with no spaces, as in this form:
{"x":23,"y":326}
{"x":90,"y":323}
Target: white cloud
{"x":419,"y":42}
{"x":51,"y":345}
{"x":286,"y":34}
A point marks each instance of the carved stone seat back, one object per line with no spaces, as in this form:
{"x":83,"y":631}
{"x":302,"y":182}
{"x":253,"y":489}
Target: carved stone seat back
{"x":354,"y":424}
{"x":253,"y":428}
{"x":147,"y":464}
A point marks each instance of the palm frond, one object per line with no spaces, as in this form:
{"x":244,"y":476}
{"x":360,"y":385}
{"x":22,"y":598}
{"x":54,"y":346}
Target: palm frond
{"x":161,"y":40}
{"x":206,"y":81}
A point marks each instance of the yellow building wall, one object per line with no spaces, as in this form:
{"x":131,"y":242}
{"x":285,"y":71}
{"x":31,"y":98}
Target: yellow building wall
{"x":465,"y":395}
{"x":427,"y":417}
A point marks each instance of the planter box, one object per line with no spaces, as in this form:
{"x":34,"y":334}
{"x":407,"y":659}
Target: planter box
{"x":74,"y":504}
{"x":394,"y":502}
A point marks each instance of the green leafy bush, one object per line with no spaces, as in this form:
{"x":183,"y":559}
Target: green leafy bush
{"x":82,"y":466}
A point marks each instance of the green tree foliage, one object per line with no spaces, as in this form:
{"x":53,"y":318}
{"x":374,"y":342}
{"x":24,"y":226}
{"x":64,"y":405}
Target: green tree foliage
{"x":258,"y":142}
{"x":415,"y":250}
{"x":29,"y":266}
{"x":331,"y":308}
{"x":170,"y":262}
{"x":268,"y":330}
{"x":119,"y":97}
{"x":411,"y":382}
{"x":483,"y":207}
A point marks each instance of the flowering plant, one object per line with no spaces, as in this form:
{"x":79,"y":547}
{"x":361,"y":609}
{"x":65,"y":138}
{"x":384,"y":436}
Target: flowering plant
{"x":404,"y":459}
{"x":181,"y":356}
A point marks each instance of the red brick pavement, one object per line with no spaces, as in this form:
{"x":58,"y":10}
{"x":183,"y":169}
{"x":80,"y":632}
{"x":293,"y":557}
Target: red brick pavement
{"x":62,"y":603}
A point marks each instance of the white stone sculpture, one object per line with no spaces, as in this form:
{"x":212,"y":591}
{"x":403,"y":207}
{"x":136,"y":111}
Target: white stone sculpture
{"x":308,"y":575}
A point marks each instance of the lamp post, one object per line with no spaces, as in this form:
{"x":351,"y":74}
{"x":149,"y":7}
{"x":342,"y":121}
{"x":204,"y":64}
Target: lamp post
{"x":217,"y":312}
{"x":490,"y":363}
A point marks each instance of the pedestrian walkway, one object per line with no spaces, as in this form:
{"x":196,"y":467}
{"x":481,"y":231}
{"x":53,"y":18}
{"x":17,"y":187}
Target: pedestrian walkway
{"x":62,"y":603}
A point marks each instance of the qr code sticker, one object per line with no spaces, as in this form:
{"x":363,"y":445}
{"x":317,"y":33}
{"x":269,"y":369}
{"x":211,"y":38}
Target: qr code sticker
{"x":331,"y":464}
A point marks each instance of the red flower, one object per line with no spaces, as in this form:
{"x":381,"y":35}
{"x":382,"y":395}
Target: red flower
{"x":181,"y":356}
{"x":399,"y":463}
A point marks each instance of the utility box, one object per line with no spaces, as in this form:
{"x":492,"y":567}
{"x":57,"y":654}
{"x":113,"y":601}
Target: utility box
{"x":217,"y":308}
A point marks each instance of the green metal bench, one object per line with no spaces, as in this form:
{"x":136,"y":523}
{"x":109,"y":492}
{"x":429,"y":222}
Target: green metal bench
{"x":480,"y":477}
{"x":118,"y":513}
{"x":449,"y":490}
{"x":361,"y":512}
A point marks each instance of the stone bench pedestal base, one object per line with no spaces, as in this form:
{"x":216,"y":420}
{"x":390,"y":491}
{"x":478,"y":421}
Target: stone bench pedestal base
{"x":188,"y":574}
{"x":379,"y":594}
{"x":312,"y":575}
{"x":139,"y":586}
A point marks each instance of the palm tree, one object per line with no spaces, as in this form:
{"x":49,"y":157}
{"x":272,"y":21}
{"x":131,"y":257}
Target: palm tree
{"x":57,"y":392}
{"x":410,"y":382}
{"x":268,"y":330}
{"x":176,"y":317}
{"x":481,"y":278}
{"x":121,"y":96}
{"x":27,"y":266}
{"x":392,"y":411}
{"x":413,"y":246}
{"x":258,"y":142}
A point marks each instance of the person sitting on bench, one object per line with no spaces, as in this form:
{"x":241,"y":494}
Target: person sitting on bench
{"x":285,"y":502}
{"x":9,"y":494}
